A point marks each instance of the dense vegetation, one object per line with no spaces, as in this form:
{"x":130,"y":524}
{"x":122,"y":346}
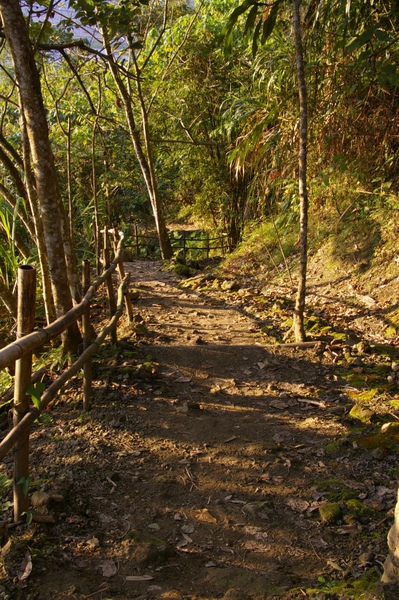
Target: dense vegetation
{"x":160,"y":113}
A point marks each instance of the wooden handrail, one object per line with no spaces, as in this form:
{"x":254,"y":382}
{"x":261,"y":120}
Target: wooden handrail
{"x":13,"y":436}
{"x":30,"y":342}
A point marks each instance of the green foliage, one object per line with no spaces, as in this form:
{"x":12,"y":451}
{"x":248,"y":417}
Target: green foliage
{"x":35,"y":391}
{"x":259,"y":23}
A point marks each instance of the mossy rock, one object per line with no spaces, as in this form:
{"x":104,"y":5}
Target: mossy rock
{"x":330,"y":513}
{"x":361,"y":413}
{"x":356,"y":511}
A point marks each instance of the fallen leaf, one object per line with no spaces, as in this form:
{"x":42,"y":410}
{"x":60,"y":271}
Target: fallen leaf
{"x":139,"y":578}
{"x":183,"y":380}
{"x":205,"y":516}
{"x":26,"y":568}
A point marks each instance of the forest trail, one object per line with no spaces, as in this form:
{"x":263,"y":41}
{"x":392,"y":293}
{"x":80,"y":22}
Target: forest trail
{"x":200,"y":471}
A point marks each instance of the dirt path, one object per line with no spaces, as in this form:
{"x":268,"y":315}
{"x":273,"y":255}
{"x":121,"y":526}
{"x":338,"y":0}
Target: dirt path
{"x":201,"y":469}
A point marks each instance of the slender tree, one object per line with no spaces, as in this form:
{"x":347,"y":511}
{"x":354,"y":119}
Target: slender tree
{"x":298,"y":325}
{"x":46,"y":181}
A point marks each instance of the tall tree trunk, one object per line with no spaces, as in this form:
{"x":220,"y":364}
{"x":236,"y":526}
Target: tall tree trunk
{"x":298,"y":325}
{"x":145,"y":163}
{"x":164,"y":242}
{"x":45,"y":173}
{"x":48,"y":300}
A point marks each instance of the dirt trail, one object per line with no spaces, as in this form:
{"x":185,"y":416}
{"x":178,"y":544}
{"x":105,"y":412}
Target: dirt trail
{"x":201,"y":468}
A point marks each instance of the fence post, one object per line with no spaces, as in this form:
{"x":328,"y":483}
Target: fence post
{"x":136,"y":237}
{"x":23,"y":370}
{"x":87,"y":367}
{"x":121,"y":271}
{"x":110,"y":287}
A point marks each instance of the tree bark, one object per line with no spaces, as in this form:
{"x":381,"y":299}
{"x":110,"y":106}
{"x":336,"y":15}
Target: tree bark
{"x":298,"y":325}
{"x":49,"y":307}
{"x":46,"y":181}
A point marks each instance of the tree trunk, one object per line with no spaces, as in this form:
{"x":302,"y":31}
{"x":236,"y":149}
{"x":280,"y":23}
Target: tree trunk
{"x":144,"y":161}
{"x":45,"y":173}
{"x":298,"y":325}
{"x":48,"y":300}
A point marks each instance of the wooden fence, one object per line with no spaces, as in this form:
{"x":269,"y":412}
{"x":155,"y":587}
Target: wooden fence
{"x":192,"y":244}
{"x":20,"y":353}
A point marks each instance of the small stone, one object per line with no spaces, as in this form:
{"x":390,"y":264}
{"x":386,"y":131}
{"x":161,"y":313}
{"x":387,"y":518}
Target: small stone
{"x":40,"y":499}
{"x":379,"y":453}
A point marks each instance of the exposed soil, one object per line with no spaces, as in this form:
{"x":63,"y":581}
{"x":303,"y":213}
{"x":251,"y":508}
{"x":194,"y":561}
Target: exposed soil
{"x":213,"y":466}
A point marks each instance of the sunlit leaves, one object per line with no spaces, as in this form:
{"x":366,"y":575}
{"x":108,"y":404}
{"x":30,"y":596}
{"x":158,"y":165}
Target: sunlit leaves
{"x":117,"y":17}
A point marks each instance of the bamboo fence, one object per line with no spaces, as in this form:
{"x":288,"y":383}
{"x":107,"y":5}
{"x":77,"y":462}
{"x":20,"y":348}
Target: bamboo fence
{"x":20,"y":353}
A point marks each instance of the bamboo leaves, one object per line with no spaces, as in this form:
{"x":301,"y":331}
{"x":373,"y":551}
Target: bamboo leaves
{"x":259,"y":23}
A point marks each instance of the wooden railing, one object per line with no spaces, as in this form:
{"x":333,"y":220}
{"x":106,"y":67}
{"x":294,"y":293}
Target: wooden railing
{"x":191,"y":244}
{"x":20,"y":353}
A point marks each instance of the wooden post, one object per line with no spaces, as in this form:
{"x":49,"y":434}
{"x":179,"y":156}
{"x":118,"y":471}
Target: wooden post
{"x":87,"y":367}
{"x":23,"y":369}
{"x":136,"y":236}
{"x":121,"y":271}
{"x":110,"y":287}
